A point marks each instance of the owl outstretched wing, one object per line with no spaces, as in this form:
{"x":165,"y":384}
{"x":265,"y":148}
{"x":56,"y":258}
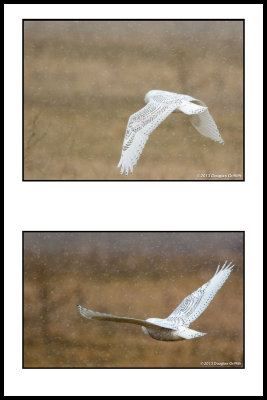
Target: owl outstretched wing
{"x":140,"y":126}
{"x":205,"y":124}
{"x":89,"y":314}
{"x":197,"y":302}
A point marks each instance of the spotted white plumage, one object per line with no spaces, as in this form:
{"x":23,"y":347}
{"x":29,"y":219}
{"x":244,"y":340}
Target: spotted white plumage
{"x":160,"y":104}
{"x":175,"y":326}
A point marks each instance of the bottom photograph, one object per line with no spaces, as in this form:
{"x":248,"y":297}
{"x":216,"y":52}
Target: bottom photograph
{"x":133,"y":299}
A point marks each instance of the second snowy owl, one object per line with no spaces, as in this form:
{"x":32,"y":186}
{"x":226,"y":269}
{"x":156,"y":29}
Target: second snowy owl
{"x":159,"y":105}
{"x":176,"y":325}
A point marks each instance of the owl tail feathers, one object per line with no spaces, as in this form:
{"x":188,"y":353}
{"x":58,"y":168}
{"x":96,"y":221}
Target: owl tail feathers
{"x":187,"y":333}
{"x":190,"y":108}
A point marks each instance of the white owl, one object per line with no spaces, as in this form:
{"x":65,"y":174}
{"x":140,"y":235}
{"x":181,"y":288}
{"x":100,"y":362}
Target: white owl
{"x":160,"y":104}
{"x":176,"y":325}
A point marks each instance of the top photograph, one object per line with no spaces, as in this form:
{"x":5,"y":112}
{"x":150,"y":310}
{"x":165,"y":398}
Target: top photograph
{"x":133,"y":100}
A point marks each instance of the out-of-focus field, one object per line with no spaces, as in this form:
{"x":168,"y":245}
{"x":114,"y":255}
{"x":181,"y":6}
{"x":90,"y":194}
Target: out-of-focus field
{"x":135,"y":285}
{"x":82,"y":81}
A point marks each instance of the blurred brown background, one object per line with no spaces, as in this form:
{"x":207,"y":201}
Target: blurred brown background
{"x":83,"y":80}
{"x":136,"y":274}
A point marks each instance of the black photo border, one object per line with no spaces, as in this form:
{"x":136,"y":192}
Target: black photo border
{"x":111,"y":231}
{"x":132,"y":180}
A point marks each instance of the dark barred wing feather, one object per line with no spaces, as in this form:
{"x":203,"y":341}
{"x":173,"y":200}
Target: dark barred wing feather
{"x":140,"y":126}
{"x":197,"y":302}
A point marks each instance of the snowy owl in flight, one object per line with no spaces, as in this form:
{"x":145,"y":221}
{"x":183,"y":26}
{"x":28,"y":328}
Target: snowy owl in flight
{"x":159,"y":105}
{"x":176,"y":325}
